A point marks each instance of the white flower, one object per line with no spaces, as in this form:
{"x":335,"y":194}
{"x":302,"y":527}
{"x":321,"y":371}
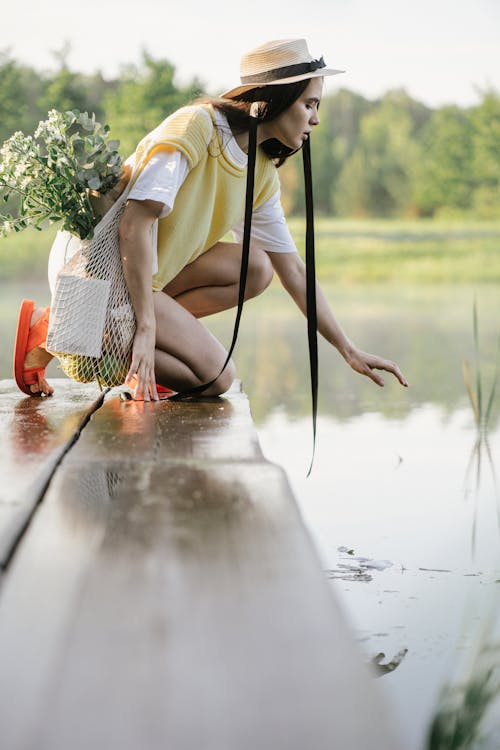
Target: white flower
{"x":19,"y":169}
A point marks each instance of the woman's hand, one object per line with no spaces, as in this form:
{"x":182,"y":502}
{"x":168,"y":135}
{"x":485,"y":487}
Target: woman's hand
{"x":366,"y":364}
{"x":141,"y":375}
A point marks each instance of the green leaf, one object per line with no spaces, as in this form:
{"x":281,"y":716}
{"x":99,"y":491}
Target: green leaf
{"x":68,"y":154}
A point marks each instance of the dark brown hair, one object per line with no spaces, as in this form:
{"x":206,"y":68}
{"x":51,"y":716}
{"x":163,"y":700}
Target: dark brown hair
{"x":273,"y":100}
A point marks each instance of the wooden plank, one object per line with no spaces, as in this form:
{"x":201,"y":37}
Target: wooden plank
{"x":34,"y":433}
{"x":168,"y":596}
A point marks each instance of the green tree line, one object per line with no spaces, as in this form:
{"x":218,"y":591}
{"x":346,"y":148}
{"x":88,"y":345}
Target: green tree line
{"x":390,"y":157}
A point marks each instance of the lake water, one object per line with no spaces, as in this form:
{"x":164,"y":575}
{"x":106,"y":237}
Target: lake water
{"x":403,"y":501}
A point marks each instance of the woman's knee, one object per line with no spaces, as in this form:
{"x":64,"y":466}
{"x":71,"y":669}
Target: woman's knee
{"x":260,"y":273}
{"x":224,"y":381}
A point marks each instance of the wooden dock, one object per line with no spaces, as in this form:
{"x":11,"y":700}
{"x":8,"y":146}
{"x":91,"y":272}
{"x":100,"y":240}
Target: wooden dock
{"x":158,"y":589}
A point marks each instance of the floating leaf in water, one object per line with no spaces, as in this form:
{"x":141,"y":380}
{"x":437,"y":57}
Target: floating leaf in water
{"x":344,"y":573}
{"x":381,"y":669}
{"x":356,"y":569}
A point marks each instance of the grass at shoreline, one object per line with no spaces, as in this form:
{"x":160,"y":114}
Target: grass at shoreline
{"x":348,"y":251}
{"x":404,"y":251}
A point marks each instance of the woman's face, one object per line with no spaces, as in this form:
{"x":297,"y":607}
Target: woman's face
{"x":292,"y":127}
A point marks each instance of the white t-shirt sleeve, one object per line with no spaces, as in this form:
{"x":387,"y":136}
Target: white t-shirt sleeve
{"x":269,"y":228}
{"x":161,"y":179}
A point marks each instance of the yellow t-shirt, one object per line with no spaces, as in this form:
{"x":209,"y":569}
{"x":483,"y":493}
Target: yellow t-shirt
{"x":211,"y":200}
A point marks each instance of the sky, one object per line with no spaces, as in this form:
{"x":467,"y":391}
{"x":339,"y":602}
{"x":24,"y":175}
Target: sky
{"x":440,"y":51}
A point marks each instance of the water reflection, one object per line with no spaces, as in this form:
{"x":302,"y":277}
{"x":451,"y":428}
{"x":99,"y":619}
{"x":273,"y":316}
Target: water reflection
{"x":87,"y":503}
{"x":422,"y":328}
{"x":174,"y":510}
{"x":391,"y":489}
{"x":29,"y":429}
{"x":35,"y":427}
{"x":468,"y":714}
{"x":167,"y":472}
{"x":169,"y":430}
{"x":388,"y":480}
{"x":481,"y":454}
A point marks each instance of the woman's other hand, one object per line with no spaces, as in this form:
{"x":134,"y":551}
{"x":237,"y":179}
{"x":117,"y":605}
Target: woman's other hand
{"x":366,"y":364}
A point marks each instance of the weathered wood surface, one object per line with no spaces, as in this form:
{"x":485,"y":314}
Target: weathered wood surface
{"x":166,"y":595}
{"x":34,"y":433}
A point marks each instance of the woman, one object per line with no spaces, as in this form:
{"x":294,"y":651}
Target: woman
{"x":190,"y":175}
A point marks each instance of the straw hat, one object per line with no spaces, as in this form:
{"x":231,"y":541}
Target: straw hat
{"x":277,"y":62}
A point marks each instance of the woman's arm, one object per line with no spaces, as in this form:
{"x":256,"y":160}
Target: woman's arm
{"x":292,"y":273}
{"x":137,"y":258}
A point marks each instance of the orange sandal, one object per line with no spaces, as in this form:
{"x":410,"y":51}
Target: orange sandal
{"x":28,"y":339}
{"x":164,"y":393}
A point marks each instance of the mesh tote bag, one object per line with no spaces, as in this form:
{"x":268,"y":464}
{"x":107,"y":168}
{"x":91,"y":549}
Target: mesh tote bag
{"x":92,"y":322}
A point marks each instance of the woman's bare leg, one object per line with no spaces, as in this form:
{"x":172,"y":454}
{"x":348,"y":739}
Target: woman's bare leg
{"x":187,"y":354}
{"x":211,"y":283}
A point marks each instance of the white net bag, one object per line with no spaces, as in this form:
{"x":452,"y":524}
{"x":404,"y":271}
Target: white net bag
{"x":92,"y":322}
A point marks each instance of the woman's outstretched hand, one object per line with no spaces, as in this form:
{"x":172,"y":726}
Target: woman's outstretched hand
{"x":366,"y":364}
{"x":141,"y":375}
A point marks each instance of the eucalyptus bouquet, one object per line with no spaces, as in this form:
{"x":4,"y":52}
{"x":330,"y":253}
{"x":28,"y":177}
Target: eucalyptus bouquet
{"x":50,"y":176}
